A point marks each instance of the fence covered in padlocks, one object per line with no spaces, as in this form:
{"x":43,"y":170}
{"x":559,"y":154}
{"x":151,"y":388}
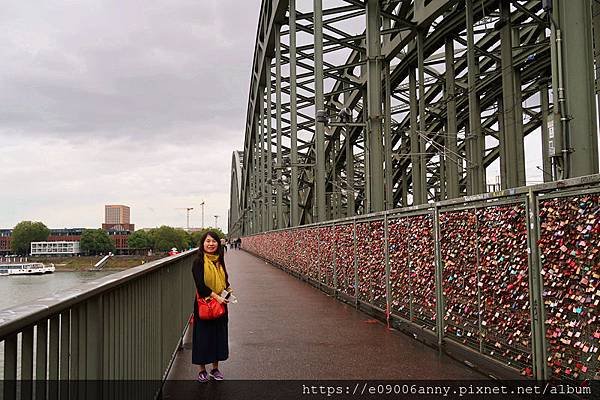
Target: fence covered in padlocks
{"x":513,"y":275}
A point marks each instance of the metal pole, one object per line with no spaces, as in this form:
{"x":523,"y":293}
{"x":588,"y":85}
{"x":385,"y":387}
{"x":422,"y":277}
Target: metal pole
{"x":280,"y":222}
{"x":574,"y":64}
{"x":452,"y":158}
{"x":409,"y":266}
{"x":387,"y":137}
{"x":475,"y":175}
{"x":545,"y":109}
{"x":255,"y":178}
{"x":439,"y":290}
{"x":294,"y":209}
{"x":538,"y":329}
{"x":319,"y":171}
{"x":350,"y":203}
{"x":269,"y":140}
{"x":355,"y":239}
{"x":388,"y":283}
{"x":336,"y":289}
{"x":260,"y":140}
{"x":366,"y":175}
{"x":374,"y":128}
{"x":511,"y":138}
{"x":414,"y":140}
{"x":422,"y":115}
{"x":336,"y":195}
{"x":202,"y":204}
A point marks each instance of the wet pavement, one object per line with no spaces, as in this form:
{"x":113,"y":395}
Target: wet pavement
{"x":285,"y":329}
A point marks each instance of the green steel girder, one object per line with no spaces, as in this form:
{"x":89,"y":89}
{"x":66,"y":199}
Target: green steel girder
{"x":346,"y":87}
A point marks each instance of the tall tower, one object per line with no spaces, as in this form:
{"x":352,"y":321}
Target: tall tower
{"x":117,"y":217}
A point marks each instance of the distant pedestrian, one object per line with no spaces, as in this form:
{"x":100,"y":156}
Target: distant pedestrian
{"x":210,"y":342}
{"x":224,"y":245}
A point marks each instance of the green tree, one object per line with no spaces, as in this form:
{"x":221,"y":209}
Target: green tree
{"x":196,"y":236}
{"x":139,"y":240}
{"x":96,"y":241}
{"x":166,"y":237}
{"x":26,"y":232}
{"x":186,"y":239}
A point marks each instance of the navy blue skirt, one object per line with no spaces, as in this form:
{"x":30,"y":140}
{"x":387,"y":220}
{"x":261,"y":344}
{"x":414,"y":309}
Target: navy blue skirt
{"x":210,"y":341}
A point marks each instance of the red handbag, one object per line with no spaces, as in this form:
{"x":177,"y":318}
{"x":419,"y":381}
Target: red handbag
{"x":209,"y":309}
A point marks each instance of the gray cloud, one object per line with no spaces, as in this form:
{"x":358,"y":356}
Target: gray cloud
{"x":140,"y":102}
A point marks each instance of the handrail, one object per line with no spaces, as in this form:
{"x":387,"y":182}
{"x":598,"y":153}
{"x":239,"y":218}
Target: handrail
{"x":125,"y":326}
{"x":22,"y":315}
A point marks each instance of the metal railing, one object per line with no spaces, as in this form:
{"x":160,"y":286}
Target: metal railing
{"x":508,"y":281}
{"x":125,"y":326}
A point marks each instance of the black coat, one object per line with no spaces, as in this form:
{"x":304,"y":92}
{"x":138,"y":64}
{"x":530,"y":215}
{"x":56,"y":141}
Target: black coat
{"x":210,"y":341}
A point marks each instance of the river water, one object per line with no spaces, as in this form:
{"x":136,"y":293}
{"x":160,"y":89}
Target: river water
{"x":19,"y":289}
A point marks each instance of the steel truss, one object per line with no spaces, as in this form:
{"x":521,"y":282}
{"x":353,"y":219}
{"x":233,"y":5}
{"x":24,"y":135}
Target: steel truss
{"x":421,"y":99}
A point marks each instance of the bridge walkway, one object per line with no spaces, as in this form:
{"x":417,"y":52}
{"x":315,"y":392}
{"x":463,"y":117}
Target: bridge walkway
{"x":285,"y":329}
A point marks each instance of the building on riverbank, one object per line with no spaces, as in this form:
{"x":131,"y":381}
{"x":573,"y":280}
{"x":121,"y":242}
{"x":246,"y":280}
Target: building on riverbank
{"x":117,"y":218}
{"x":118,"y":236}
{"x":55,"y":248}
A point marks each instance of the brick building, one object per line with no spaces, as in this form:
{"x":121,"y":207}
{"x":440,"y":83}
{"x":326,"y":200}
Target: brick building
{"x":5,"y":241}
{"x":119,"y":238}
{"x":117,"y":218}
{"x":116,"y":223}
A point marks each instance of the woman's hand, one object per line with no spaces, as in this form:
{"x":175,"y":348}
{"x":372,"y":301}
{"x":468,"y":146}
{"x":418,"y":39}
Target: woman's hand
{"x":221,"y":300}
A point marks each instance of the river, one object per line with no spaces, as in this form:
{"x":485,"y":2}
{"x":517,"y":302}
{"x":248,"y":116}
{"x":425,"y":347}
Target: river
{"x":19,"y":289}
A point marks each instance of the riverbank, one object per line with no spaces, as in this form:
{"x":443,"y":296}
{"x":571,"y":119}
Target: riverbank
{"x":86,"y":263}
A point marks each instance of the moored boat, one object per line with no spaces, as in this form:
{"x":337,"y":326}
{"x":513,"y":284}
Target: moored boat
{"x":25,"y":268}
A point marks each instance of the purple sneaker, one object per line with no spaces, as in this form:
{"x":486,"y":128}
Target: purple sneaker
{"x":216,"y":375}
{"x":203,"y":377}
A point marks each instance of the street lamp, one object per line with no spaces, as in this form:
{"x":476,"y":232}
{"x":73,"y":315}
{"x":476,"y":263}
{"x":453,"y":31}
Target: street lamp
{"x":202,"y":205}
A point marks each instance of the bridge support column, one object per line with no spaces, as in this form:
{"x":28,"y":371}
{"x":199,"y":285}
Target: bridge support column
{"x":350,"y":193}
{"x":268,"y":142}
{"x":387,"y":137}
{"x":474,"y":135}
{"x":512,"y":154}
{"x":319,"y":168}
{"x":263,"y":161}
{"x":387,"y":125}
{"x":451,"y":156}
{"x":294,"y":206}
{"x":258,"y":170}
{"x":422,"y":113}
{"x":280,"y":223}
{"x":573,"y":84}
{"x":256,"y":176}
{"x":374,"y":141}
{"x":415,"y":145}
{"x":349,"y":174}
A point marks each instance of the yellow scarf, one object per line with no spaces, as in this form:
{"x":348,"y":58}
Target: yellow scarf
{"x":214,"y":274}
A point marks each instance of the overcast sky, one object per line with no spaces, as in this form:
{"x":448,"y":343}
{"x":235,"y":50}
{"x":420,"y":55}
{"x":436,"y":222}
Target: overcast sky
{"x":121,"y":102}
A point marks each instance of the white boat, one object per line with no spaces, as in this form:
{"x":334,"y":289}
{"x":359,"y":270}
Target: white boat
{"x":26,"y":268}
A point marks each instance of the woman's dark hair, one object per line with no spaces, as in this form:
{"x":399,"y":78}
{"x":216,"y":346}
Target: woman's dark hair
{"x":220,"y":250}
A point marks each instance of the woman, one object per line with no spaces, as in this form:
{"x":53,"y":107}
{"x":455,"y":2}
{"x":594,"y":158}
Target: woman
{"x":210,"y":341}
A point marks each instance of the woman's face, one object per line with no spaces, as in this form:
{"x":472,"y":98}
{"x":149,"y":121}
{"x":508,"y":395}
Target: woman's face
{"x":210,"y":245}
